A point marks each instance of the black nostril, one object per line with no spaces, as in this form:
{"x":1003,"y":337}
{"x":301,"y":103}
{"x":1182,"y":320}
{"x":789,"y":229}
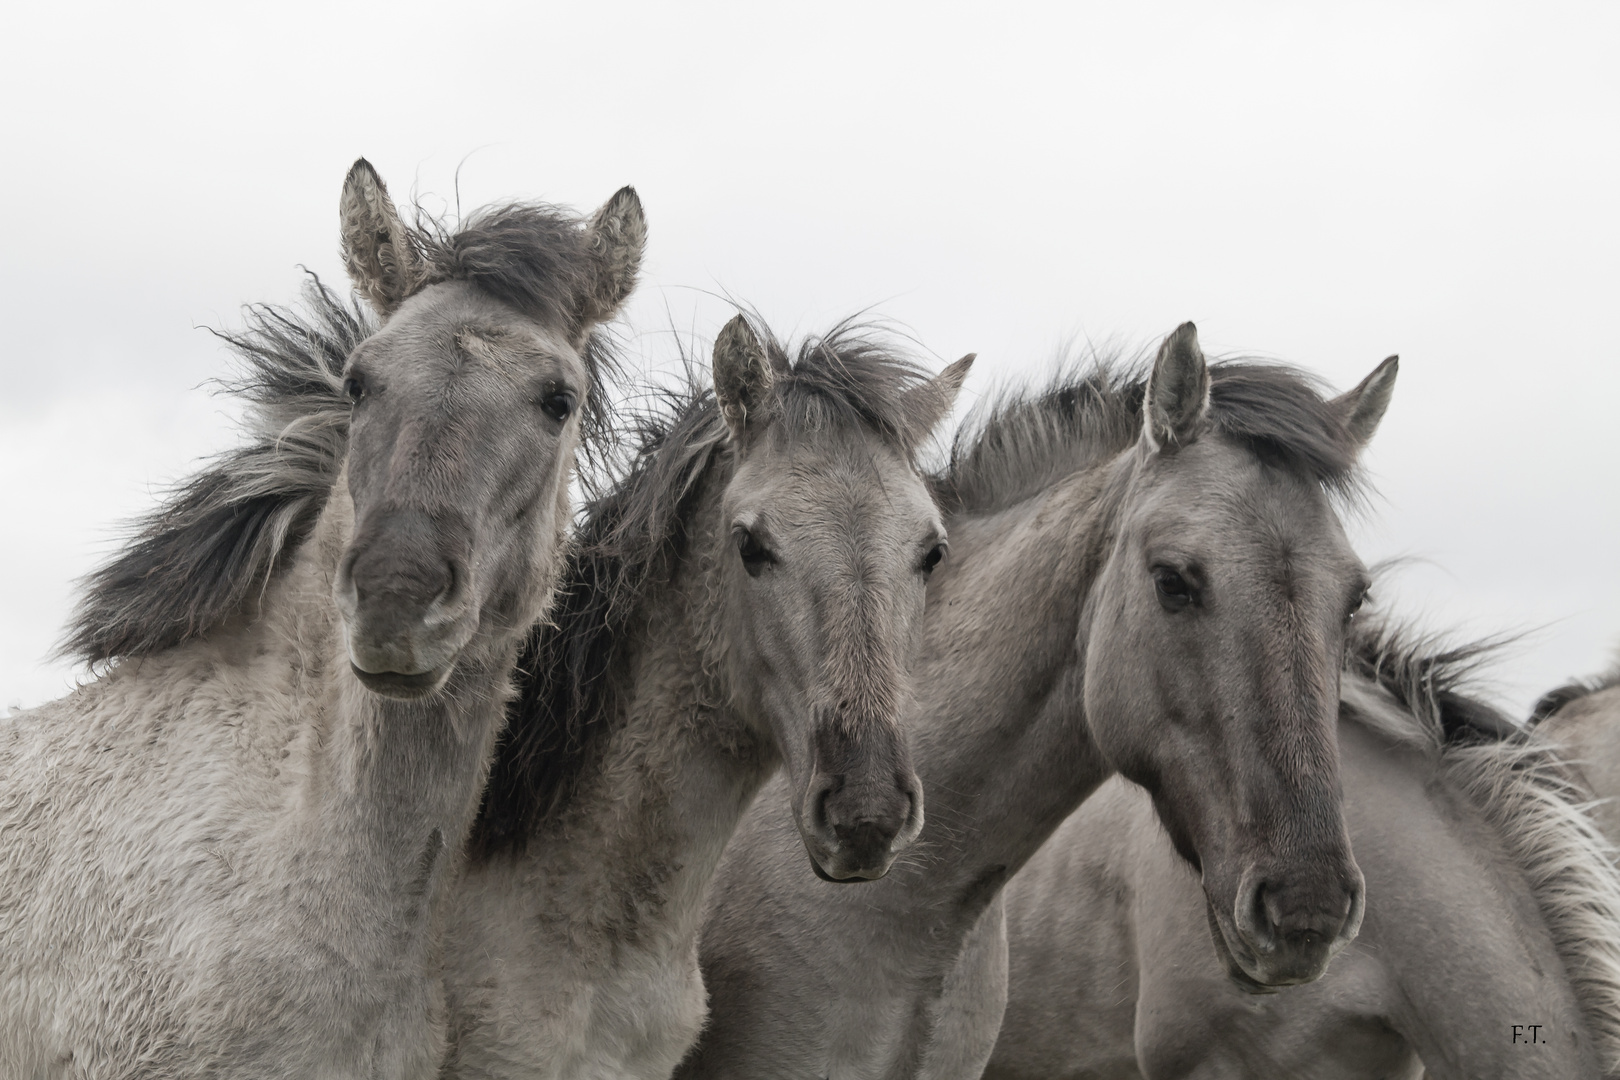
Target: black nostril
{"x":822,"y":790}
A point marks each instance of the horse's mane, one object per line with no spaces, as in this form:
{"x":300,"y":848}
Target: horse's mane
{"x":1522,"y":787}
{"x":216,"y":540}
{"x":1091,"y":410}
{"x":1574,"y":690}
{"x":630,"y":538}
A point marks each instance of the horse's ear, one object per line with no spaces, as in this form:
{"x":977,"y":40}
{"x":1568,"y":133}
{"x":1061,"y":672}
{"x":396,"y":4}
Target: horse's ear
{"x":617,"y":237}
{"x":928,"y":404}
{"x":743,"y":377}
{"x":377,"y":250}
{"x":1176,"y":400}
{"x":1363,"y":407}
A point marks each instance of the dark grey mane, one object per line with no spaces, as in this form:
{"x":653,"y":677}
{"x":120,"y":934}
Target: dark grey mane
{"x":1434,"y":681}
{"x":630,"y":539}
{"x":1574,"y":690}
{"x":215,"y":541}
{"x":1023,"y":443}
{"x":531,"y":255}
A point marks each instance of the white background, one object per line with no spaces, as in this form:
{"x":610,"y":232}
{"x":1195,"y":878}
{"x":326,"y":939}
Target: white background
{"x":1321,"y":184}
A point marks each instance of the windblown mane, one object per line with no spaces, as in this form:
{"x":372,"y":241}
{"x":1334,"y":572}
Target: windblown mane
{"x":1019,"y":445}
{"x":630,"y":539}
{"x":1523,"y":789}
{"x":216,"y":540}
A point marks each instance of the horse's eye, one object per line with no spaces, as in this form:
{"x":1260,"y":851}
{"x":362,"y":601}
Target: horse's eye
{"x":1174,"y":593}
{"x":933,"y":556}
{"x":1361,"y":598}
{"x":558,"y":405}
{"x":355,"y":387}
{"x":755,"y":556}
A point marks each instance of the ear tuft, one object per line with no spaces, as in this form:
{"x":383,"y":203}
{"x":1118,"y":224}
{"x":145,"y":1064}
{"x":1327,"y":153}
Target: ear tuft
{"x":743,"y":379}
{"x":617,"y":238}
{"x":1176,"y":400}
{"x":1363,"y":407}
{"x":377,"y":251}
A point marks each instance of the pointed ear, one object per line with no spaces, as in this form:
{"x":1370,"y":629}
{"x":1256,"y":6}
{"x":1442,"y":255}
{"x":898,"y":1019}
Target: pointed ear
{"x":743,"y":377}
{"x":617,"y":237}
{"x":1363,"y":407}
{"x":376,"y":249}
{"x":928,"y":404}
{"x":1176,"y":400}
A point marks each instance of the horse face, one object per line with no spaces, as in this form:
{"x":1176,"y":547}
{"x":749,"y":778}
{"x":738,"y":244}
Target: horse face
{"x":463,"y":433}
{"x":1212,"y":681}
{"x":1215,"y":639}
{"x":831,"y":541}
{"x":831,"y":536}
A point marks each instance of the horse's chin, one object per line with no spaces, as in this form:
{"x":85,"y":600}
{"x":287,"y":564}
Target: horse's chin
{"x":403,"y":686}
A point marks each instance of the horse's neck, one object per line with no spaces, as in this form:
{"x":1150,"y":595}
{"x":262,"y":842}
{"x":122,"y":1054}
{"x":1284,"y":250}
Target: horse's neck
{"x":1004,"y":750}
{"x":398,"y":779}
{"x":658,"y":802}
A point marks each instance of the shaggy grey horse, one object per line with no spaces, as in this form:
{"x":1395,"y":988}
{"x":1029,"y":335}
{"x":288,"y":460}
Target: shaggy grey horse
{"x":227,"y":856}
{"x":1491,"y":946}
{"x":1146,"y":577}
{"x":746,"y":595}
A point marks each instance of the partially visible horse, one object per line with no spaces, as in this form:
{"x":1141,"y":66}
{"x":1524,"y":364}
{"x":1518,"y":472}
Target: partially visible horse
{"x":1147,"y":576}
{"x":1491,"y":946}
{"x":745,"y":595}
{"x":227,"y":855}
{"x":1584,"y":718}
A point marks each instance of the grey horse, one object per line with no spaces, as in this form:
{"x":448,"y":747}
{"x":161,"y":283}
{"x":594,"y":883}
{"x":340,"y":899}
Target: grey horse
{"x":746,"y":595}
{"x":227,"y":856}
{"x":1147,"y":577}
{"x":1491,"y":946}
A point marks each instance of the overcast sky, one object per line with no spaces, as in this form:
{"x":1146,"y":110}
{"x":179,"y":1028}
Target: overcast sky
{"x":1324,"y":185}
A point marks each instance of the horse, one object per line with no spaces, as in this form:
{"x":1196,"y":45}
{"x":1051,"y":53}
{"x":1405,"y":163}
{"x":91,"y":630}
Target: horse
{"x":1491,"y":946}
{"x":1147,"y":576}
{"x":228,"y":855}
{"x":745,"y":594}
{"x":1584,"y":717}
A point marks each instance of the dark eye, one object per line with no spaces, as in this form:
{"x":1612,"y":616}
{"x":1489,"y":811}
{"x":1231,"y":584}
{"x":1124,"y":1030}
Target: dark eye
{"x":355,"y":388}
{"x":1174,"y":593}
{"x":933,"y":556}
{"x":559,"y":405}
{"x":755,"y":556}
{"x":1355,"y":605}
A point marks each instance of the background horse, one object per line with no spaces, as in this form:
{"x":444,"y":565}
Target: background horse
{"x":1584,"y":718}
{"x":1491,"y":946}
{"x":746,"y":595}
{"x":227,"y":855}
{"x":1147,"y":577}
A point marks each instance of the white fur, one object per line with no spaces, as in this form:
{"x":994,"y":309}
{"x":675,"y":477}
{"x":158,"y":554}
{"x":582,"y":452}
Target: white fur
{"x":221,"y":861}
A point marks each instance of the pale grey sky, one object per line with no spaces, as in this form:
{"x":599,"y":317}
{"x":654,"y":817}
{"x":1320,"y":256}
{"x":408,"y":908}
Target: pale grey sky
{"x":1325,"y":185}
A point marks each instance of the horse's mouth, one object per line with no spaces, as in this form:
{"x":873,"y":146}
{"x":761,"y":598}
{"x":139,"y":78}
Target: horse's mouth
{"x":400,"y":685}
{"x":1234,"y":971}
